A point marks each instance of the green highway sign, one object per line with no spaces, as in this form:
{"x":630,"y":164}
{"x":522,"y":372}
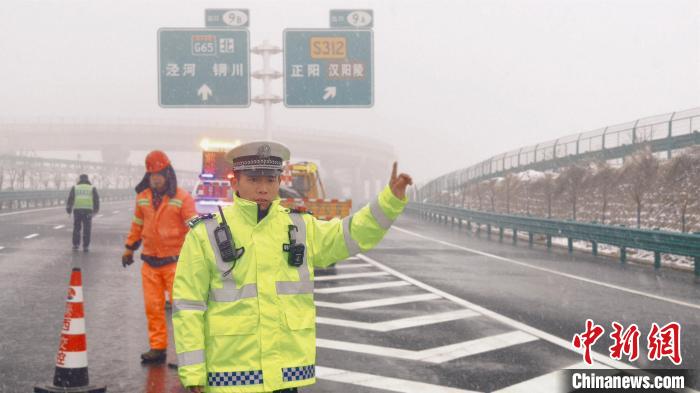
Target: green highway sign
{"x":203,"y":68}
{"x":227,"y":17}
{"x":325,"y":68}
{"x":352,"y":19}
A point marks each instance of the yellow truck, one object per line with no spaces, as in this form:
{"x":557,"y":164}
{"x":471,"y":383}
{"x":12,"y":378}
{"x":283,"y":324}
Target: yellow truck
{"x":304,"y":178}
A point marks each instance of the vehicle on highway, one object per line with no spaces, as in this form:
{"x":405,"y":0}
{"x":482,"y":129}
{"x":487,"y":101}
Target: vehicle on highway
{"x":301,"y":186}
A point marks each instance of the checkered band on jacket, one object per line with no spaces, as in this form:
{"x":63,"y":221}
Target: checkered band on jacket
{"x":235,"y":378}
{"x":298,"y":373}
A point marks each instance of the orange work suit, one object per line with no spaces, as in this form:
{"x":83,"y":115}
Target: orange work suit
{"x":162,"y":233}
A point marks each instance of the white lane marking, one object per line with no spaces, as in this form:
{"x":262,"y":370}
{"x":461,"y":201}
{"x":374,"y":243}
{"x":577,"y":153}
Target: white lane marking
{"x":604,"y":359}
{"x":382,"y":383}
{"x":115,"y":212}
{"x":99,"y":215}
{"x":353,"y":266}
{"x":352,"y":259}
{"x":435,"y":355}
{"x":44,"y":209}
{"x":552,"y":382}
{"x":571,"y":276}
{"x":348,"y":276}
{"x":59,"y":226}
{"x":31,"y":211}
{"x":474,"y":347}
{"x":362,"y":287}
{"x":395,"y":324}
{"x":390,"y":301}
{"x":2,"y":248}
{"x":33,"y":235}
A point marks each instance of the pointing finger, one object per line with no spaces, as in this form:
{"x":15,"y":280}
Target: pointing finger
{"x":393,"y":172}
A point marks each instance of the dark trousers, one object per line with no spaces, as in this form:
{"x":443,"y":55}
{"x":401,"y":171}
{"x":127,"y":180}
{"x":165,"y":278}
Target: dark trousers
{"x":292,"y":390}
{"x":82,"y":219}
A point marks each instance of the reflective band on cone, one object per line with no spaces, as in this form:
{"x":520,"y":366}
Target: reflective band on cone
{"x":71,"y":360}
{"x":73,"y":326}
{"x":75,"y":295}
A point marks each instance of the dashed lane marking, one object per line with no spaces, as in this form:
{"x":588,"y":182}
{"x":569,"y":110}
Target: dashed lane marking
{"x":362,"y":287}
{"x":390,"y":301}
{"x":33,"y":235}
{"x":387,"y":326}
{"x":40,"y":210}
{"x":59,"y":226}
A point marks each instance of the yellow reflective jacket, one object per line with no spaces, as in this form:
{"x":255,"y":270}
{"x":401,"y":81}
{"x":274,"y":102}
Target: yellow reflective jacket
{"x":254,"y":330}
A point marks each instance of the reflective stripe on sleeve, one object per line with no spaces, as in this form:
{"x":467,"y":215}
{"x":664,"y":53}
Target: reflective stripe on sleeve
{"x":190,"y":358}
{"x":378,"y":214}
{"x":192,"y":305}
{"x":350,"y":243}
{"x":137,"y":221}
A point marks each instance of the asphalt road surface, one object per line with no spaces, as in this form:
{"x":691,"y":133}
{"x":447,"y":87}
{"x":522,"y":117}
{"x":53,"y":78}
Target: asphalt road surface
{"x":432,"y":309}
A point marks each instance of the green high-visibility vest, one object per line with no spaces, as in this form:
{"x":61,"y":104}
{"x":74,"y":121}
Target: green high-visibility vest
{"x":83,"y":197}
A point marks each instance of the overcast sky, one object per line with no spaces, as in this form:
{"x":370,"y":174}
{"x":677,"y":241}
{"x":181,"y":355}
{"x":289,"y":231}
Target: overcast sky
{"x":455,"y":81}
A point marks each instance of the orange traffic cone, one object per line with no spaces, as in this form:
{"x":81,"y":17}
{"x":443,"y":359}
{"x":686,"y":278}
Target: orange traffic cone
{"x":71,"y":361}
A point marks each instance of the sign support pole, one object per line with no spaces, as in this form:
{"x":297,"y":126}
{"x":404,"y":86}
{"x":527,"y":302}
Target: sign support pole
{"x":267,"y":75}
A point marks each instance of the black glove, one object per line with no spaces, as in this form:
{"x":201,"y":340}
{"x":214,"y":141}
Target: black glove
{"x":127,"y":258}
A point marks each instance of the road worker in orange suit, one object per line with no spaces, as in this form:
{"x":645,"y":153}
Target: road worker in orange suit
{"x":160,"y":223}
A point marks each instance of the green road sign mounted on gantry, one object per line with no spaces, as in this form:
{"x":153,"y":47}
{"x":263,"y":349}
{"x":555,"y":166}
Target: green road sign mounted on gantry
{"x":203,"y":68}
{"x":328,"y":68}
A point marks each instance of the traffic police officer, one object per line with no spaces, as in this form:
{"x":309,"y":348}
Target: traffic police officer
{"x":243,"y":311}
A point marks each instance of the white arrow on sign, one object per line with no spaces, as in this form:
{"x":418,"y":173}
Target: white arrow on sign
{"x":204,"y":92}
{"x":330,"y":93}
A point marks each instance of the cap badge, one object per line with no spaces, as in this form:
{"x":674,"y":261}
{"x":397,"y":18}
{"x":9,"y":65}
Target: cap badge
{"x":264,"y":151}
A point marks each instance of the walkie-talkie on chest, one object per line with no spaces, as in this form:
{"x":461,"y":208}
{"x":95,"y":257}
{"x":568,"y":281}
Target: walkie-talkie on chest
{"x":225,"y":242}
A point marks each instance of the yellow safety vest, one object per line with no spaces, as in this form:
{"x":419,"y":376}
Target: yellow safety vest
{"x":254,"y":329}
{"x":83,"y":197}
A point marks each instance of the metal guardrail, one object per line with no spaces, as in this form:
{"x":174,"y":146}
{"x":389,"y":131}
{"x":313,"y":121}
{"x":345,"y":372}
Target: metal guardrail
{"x":12,"y":200}
{"x":651,"y":240}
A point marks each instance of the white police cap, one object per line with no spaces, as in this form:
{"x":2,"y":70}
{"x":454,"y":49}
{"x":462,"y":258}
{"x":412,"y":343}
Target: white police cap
{"x":259,"y":158}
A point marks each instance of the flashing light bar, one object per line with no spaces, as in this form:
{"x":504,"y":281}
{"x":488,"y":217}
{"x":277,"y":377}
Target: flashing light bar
{"x":206,"y":144}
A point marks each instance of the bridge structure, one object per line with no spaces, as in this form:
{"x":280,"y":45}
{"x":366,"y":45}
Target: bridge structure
{"x":351,"y":167}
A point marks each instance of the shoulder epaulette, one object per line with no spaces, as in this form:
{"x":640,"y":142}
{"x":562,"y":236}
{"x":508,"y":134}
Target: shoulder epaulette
{"x":196,"y":220}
